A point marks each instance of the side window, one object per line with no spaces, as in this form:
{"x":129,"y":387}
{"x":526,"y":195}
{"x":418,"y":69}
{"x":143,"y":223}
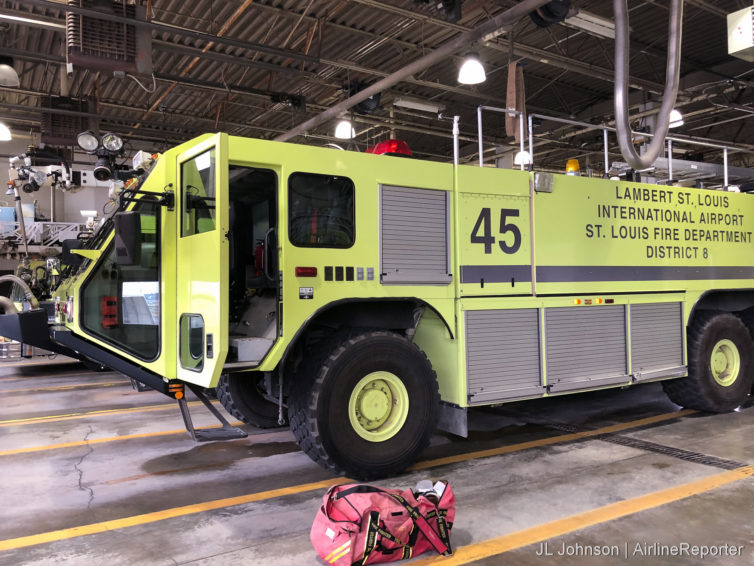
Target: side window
{"x":321,"y":211}
{"x":121,"y":303}
{"x":198,"y":194}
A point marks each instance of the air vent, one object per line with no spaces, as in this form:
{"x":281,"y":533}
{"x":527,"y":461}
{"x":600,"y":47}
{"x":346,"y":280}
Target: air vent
{"x":61,"y":120}
{"x":107,"y":45}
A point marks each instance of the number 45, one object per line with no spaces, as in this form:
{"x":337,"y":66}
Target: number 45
{"x":484,"y":223}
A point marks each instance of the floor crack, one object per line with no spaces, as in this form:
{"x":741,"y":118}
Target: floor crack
{"x":77,"y":467}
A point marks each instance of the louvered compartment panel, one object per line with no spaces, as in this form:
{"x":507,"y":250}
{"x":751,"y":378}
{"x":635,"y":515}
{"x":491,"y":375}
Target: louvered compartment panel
{"x":585,"y":346}
{"x":502,"y":354}
{"x":414,"y":236}
{"x":656,"y":337}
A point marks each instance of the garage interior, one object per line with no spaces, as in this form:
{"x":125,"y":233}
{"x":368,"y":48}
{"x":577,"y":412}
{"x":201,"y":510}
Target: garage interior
{"x":98,"y":470}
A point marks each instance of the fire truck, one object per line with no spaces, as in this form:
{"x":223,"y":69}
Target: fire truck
{"x":370,"y":299}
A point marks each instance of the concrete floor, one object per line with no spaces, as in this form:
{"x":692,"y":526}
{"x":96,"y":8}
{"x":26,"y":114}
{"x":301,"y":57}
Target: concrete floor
{"x":63,"y":466}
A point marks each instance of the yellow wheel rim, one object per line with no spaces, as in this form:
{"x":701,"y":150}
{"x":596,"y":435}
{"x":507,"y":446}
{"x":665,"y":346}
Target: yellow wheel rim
{"x":725,"y":363}
{"x":378,"y":406}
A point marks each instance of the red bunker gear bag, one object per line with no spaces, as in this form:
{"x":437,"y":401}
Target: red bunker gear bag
{"x":362,"y":524}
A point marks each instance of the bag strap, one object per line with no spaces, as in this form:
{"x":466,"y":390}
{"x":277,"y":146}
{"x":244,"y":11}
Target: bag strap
{"x":440,"y":542}
{"x":436,"y":540}
{"x":371,"y":539}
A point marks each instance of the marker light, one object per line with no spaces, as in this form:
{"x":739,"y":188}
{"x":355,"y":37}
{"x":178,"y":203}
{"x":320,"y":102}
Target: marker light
{"x":577,"y":301}
{"x":176,"y":389}
{"x":306,"y":272}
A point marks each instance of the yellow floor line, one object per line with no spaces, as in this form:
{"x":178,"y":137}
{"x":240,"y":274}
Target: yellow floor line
{"x":37,"y":363}
{"x":560,"y":527}
{"x":550,"y":440}
{"x":77,"y":443}
{"x":68,"y":387}
{"x":135,"y":520}
{"x":70,"y":416}
{"x":197,"y":508}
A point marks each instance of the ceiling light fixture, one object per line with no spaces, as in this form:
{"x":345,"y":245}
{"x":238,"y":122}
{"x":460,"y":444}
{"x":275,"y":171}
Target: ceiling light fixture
{"x":591,"y":23}
{"x":472,"y":71}
{"x":676,"y":118}
{"x":522,"y":158}
{"x":8,"y":75}
{"x":416,"y":104}
{"x":344,"y":130}
{"x":5,"y":133}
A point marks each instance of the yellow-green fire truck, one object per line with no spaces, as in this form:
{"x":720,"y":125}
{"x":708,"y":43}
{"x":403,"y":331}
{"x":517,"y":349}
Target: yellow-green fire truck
{"x":374,"y":298}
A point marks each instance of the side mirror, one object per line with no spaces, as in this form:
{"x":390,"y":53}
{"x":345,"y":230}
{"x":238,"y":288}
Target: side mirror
{"x":127,"y":238}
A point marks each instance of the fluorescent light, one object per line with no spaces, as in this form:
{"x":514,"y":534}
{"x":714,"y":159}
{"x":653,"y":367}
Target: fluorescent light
{"x":88,"y":213}
{"x":676,"y":118}
{"x":33,"y":22}
{"x":5,"y":133}
{"x":344,"y":130}
{"x":591,"y":23}
{"x":416,"y":104}
{"x":472,"y":71}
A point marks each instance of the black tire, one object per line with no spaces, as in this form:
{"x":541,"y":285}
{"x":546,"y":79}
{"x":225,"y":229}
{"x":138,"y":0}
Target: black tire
{"x":242,"y":398}
{"x":324,"y":387}
{"x":701,"y":389}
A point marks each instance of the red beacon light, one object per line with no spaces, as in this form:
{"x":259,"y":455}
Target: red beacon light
{"x":398,"y":148}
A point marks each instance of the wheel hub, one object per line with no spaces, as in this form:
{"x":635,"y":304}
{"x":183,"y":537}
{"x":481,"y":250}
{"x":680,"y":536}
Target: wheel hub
{"x":725,"y":363}
{"x":378,"y":406}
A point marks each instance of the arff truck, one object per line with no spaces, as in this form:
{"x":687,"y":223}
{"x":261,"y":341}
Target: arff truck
{"x":375,"y":298}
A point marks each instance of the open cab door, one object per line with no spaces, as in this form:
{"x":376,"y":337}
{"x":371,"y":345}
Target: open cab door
{"x":201,"y":257}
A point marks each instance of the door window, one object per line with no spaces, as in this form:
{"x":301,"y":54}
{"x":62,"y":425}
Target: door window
{"x":121,"y":303}
{"x":198,"y":194}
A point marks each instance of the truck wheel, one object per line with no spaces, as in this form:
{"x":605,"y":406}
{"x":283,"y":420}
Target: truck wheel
{"x":242,"y":398}
{"x":720,"y":365}
{"x":369,"y":409}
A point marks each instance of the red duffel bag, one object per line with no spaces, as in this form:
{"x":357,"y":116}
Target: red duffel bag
{"x":362,"y":524}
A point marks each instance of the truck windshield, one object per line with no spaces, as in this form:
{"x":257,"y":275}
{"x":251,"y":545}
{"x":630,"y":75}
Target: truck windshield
{"x":121,"y":303}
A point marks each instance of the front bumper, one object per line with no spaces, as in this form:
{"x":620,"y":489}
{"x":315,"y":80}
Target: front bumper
{"x":31,"y":327}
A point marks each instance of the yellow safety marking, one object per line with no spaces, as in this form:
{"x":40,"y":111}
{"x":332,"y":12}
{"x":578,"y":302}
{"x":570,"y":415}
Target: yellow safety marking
{"x":550,"y":440}
{"x":77,"y":443}
{"x":341,"y":555}
{"x":70,"y":416}
{"x":339,"y":549}
{"x":104,"y":526}
{"x":36,"y":363}
{"x":67,"y":387}
{"x":189,"y":509}
{"x":560,"y":527}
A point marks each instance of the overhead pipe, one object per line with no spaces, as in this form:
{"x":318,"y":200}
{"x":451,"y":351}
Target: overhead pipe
{"x":672,"y":74}
{"x":503,"y":19}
